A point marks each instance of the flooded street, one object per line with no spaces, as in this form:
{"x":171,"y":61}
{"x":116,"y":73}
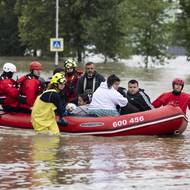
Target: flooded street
{"x":29,"y":161}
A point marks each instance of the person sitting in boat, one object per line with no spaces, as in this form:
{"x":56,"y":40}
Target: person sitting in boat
{"x":90,"y":80}
{"x":175,"y":98}
{"x":72,"y":77}
{"x":81,"y":109}
{"x":43,"y":111}
{"x":136,"y":97}
{"x":8,"y":90}
{"x":31,"y":85}
{"x":106,"y":98}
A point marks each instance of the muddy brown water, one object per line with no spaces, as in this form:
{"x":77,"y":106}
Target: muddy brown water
{"x":28,"y":161}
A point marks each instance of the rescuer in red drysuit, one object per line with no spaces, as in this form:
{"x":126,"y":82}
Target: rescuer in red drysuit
{"x":175,"y":98}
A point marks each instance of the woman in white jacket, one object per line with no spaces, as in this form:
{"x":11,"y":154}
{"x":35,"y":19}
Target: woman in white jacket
{"x":106,"y":98}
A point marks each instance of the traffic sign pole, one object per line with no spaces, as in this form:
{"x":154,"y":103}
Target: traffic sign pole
{"x":56,"y":44}
{"x":57,"y":31}
{"x":56,"y":58}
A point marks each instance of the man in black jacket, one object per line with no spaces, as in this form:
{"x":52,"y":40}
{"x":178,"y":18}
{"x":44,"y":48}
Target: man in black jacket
{"x":136,"y":97}
{"x":90,"y":80}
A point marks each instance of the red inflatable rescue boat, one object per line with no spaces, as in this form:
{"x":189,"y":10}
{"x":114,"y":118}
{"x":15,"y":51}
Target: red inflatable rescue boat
{"x":166,"y":120}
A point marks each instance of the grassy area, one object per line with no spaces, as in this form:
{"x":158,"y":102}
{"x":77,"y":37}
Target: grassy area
{"x":22,"y":64}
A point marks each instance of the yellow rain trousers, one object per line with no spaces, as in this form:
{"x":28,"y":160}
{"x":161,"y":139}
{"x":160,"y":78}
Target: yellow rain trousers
{"x":43,"y":117}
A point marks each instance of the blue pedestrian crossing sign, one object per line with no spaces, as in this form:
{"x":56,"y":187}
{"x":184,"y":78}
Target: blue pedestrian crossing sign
{"x":56,"y":44}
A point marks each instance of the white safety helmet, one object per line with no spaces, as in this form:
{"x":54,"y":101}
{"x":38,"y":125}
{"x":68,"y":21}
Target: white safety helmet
{"x":9,"y":67}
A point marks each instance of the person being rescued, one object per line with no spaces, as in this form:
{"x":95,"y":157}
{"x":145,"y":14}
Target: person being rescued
{"x":8,"y":91}
{"x":91,"y":79}
{"x":136,"y":97}
{"x":43,"y":111}
{"x":106,"y":98}
{"x":81,"y":109}
{"x":72,"y":77}
{"x":176,"y":97}
{"x":30,"y":85}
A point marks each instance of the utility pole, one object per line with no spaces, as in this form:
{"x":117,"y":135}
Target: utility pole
{"x":57,"y":30}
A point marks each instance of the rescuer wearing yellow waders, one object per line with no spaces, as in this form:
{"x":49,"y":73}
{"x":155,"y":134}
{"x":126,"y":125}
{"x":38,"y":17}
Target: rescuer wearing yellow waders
{"x":43,"y":111}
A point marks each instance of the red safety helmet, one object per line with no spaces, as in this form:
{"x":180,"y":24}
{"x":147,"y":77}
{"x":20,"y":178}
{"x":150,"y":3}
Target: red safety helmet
{"x":178,"y":81}
{"x":35,"y":65}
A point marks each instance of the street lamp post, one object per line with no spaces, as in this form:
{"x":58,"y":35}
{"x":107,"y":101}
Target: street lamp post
{"x":57,"y":30}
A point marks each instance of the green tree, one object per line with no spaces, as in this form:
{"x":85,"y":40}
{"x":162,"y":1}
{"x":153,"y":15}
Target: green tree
{"x":115,"y":28}
{"x":182,"y":37}
{"x":73,"y":16}
{"x":106,"y":30}
{"x":151,"y":28}
{"x":9,"y":36}
{"x":36,"y":23}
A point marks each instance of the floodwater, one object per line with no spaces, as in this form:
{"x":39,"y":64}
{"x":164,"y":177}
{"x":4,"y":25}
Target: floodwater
{"x":29,"y":161}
